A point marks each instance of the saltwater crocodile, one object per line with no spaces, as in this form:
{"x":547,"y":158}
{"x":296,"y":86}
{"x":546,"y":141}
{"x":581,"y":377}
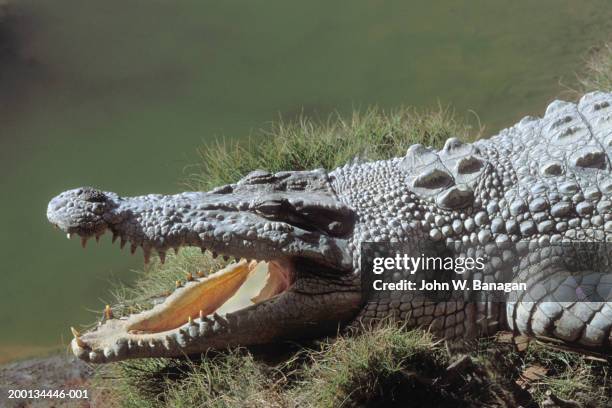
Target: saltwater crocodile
{"x":508,"y":199}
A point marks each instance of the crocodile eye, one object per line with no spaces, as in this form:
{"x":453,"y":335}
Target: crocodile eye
{"x":270,"y":207}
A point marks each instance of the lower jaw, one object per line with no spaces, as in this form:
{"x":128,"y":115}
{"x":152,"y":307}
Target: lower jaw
{"x":197,"y":315}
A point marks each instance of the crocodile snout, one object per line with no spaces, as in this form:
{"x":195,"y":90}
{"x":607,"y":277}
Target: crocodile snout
{"x":82,"y":210}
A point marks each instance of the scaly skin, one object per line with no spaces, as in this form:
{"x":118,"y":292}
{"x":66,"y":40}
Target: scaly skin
{"x":508,"y":199}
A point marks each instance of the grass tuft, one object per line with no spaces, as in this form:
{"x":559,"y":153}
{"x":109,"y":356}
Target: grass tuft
{"x":308,"y":144}
{"x":371,"y":366}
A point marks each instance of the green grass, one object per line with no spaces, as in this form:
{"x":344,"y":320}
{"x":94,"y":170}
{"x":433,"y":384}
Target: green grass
{"x":385,"y":366}
{"x":308,"y":144}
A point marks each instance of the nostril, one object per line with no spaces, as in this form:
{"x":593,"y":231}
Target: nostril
{"x":92,"y":195}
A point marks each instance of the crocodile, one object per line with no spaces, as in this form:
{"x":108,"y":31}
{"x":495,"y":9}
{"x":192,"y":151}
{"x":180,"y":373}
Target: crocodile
{"x":510,"y":199}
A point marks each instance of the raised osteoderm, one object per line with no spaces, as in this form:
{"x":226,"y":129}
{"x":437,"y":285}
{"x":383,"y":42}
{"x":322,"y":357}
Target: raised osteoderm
{"x":507,"y":199}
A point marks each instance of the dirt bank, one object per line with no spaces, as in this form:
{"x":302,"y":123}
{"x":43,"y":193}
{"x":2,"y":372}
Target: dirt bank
{"x":56,"y":372}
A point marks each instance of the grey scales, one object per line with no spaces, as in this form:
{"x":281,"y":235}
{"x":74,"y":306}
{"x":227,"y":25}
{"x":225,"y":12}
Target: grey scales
{"x":509,"y":199}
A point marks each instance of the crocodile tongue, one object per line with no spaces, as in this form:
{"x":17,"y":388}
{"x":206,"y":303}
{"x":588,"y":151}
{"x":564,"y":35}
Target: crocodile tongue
{"x":195,"y":299}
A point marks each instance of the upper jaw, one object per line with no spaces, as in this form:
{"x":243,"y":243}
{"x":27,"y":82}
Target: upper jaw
{"x":243,"y":223}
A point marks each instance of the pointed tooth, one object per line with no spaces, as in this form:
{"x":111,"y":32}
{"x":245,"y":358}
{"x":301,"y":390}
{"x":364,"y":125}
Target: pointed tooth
{"x":203,"y":250}
{"x":200,"y":274}
{"x":226,"y":258}
{"x":162,"y":256}
{"x":189,"y":321}
{"x":108,"y":312}
{"x":55,"y":226}
{"x":214,"y":255}
{"x":77,"y":337}
{"x":122,"y":243}
{"x":133,"y":248}
{"x":115,"y":236}
{"x":75,"y":332}
{"x":98,"y":238}
{"x":189,"y":277}
{"x":178,"y":284}
{"x":84,"y":241}
{"x":176,"y":250}
{"x":202,"y":315}
{"x":69,"y":235}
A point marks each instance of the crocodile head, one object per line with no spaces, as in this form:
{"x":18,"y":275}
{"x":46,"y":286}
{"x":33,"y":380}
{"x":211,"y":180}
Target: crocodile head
{"x":290,"y":223}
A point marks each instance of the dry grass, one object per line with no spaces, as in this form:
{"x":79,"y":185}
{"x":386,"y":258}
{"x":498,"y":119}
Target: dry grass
{"x":597,"y":75}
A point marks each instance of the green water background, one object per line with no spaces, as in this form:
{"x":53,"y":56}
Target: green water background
{"x":118,"y":95}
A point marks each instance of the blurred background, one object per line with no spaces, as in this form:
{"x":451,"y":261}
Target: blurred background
{"x":119,"y":94}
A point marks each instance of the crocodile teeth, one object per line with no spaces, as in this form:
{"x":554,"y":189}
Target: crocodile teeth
{"x":84,"y":241}
{"x":77,"y":338}
{"x":108,"y":312}
{"x":162,"y":257}
{"x":122,"y":243}
{"x":115,"y":236}
{"x":133,"y":248}
{"x":69,"y":235}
